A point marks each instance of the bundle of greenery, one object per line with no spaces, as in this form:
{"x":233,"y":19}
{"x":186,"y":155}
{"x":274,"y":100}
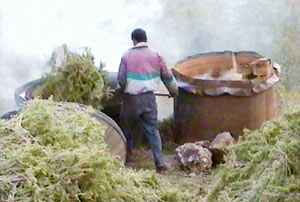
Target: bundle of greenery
{"x":77,"y":79}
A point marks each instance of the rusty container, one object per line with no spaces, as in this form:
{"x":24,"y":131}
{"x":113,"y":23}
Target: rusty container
{"x":206,"y":107}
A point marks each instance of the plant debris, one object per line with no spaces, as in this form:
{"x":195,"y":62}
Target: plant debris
{"x":263,"y":166}
{"x":56,"y":152}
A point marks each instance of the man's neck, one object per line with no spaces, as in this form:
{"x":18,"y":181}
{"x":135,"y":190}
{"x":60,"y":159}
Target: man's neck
{"x":140,"y":44}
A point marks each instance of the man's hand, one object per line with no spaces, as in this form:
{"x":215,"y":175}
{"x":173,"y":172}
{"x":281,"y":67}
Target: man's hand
{"x":118,"y":89}
{"x":173,"y":95}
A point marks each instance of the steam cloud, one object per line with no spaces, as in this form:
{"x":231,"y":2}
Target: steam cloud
{"x":176,"y":29}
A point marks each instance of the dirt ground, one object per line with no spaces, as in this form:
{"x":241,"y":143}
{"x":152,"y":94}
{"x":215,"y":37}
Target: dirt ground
{"x":196,"y":184}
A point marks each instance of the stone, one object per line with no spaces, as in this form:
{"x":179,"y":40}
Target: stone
{"x":194,"y":157}
{"x":203,"y":143}
{"x":222,"y":140}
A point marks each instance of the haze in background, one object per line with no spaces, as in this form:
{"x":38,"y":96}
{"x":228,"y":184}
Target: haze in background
{"x":31,"y":29}
{"x":269,"y":27}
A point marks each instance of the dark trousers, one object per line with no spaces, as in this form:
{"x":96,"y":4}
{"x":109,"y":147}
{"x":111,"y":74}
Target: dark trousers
{"x":142,"y":109}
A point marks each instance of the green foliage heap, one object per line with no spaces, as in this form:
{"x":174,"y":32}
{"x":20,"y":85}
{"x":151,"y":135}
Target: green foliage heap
{"x":263,"y":166}
{"x":77,"y":80}
{"x":56,"y":152}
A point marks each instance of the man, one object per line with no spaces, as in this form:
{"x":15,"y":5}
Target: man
{"x":140,"y":72}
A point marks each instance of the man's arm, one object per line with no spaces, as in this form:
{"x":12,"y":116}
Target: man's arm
{"x":168,"y":78}
{"x":122,"y":79}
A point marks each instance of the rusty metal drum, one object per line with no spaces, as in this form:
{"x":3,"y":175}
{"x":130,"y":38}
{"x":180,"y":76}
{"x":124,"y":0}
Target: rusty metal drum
{"x":210,"y":103}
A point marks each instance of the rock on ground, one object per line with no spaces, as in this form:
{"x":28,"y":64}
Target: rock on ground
{"x":222,"y":140}
{"x":194,"y":157}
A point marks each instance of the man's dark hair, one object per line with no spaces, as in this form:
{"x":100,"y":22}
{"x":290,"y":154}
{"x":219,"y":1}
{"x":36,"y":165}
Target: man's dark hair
{"x":139,"y":35}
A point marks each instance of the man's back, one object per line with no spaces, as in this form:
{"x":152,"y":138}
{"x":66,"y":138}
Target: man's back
{"x":141,"y":69}
{"x":142,"y":60}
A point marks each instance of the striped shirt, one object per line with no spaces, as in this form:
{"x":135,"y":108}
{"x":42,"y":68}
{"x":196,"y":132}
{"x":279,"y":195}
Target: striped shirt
{"x":141,"y":70}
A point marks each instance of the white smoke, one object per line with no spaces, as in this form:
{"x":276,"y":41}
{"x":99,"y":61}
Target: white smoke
{"x":31,"y":29}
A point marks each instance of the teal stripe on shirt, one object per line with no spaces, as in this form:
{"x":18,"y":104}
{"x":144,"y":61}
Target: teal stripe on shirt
{"x":143,"y":77}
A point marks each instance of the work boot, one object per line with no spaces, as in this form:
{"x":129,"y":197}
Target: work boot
{"x":129,"y":156}
{"x":161,"y":168}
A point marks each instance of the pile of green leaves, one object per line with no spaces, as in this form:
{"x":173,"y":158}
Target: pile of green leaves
{"x":56,"y":152}
{"x":77,"y":80}
{"x":263,"y":166}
